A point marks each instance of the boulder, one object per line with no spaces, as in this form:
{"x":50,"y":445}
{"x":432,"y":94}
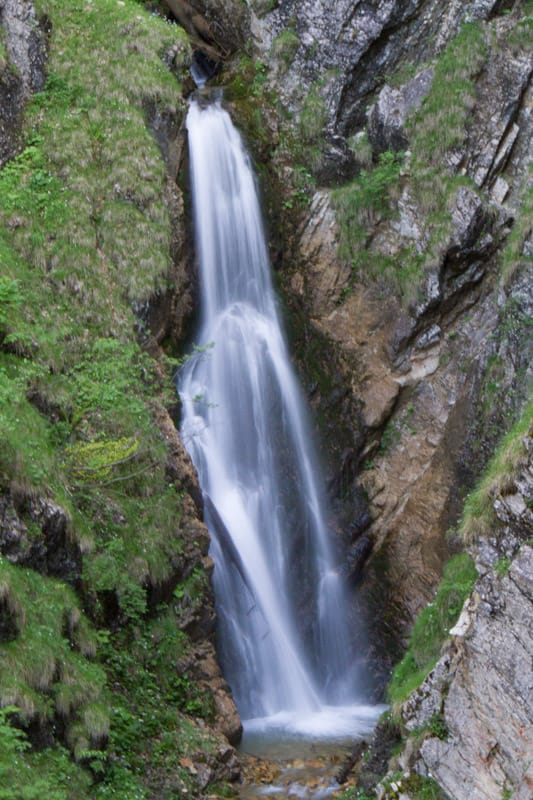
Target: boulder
{"x":22,"y":72}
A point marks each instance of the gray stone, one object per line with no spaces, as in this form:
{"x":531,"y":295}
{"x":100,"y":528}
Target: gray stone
{"x":493,"y":129}
{"x":221,"y":24}
{"x":357,"y":43}
{"x":483,"y":684}
{"x":386,"y":118}
{"x":23,"y":72}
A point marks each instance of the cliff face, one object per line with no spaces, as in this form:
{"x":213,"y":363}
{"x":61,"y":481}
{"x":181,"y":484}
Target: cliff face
{"x":480,"y":689}
{"x":406,"y":246}
{"x":393,"y":139}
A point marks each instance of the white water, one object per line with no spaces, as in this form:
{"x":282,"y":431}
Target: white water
{"x":283,"y":637}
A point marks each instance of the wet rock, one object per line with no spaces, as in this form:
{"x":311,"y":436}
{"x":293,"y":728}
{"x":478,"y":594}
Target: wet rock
{"x":386,"y":736}
{"x":357,"y":556}
{"x":223,"y":24}
{"x":36,"y":533}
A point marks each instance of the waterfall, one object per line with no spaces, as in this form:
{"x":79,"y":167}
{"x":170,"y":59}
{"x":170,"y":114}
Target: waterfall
{"x":283,"y":637}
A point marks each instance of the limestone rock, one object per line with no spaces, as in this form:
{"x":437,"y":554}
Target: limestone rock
{"x":348,"y":47}
{"x":387,"y":117}
{"x":483,"y":684}
{"x":493,"y":129}
{"x":318,"y":238}
{"x":223,"y":24}
{"x":23,"y":72}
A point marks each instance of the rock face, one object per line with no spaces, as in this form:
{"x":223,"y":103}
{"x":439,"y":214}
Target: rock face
{"x":22,"y":63}
{"x":53,"y":551}
{"x":217,"y":24}
{"x":347,"y":49}
{"x":481,"y":688}
{"x":436,"y":378}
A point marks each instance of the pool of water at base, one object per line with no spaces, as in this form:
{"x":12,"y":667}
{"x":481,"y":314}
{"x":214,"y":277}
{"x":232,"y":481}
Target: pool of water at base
{"x":300,"y":756}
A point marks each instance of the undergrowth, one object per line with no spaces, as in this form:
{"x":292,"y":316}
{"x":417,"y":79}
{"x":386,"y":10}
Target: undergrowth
{"x":431,"y":628}
{"x":86,"y":237}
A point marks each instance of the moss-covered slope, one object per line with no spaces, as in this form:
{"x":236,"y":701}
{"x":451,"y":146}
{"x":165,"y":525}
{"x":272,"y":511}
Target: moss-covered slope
{"x":103,"y":560}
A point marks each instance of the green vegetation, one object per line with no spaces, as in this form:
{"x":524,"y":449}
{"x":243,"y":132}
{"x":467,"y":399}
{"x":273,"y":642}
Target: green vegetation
{"x":21,"y":773}
{"x":363,"y":203}
{"x":522,"y":33}
{"x":46,"y":668}
{"x":499,"y":478}
{"x":513,"y":256}
{"x":284,"y":47}
{"x":435,"y":130}
{"x":422,"y":788}
{"x":440,"y":124}
{"x":432,"y":626}
{"x":86,"y":237}
{"x":311,"y":128}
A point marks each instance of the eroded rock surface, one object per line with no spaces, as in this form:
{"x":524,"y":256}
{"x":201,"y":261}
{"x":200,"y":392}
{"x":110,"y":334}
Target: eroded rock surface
{"x":347,"y":49}
{"x":482,"y":686}
{"x":439,"y":379}
{"x":221,"y":24}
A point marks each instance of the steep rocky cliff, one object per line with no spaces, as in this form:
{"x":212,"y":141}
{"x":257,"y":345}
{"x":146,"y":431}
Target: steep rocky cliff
{"x":399,"y":137}
{"x":469,"y":723}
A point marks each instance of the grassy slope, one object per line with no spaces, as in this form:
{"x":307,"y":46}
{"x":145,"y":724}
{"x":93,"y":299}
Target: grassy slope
{"x":85,"y":233}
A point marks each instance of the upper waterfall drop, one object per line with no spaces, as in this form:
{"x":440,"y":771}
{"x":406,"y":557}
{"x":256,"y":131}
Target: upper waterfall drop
{"x":283,"y":636}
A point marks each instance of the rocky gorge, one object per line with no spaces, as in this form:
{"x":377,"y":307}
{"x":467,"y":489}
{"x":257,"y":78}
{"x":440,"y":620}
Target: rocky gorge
{"x":393,"y":144}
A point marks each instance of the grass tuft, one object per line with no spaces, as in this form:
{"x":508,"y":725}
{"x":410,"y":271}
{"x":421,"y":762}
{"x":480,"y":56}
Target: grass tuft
{"x":511,"y":456}
{"x":431,"y":628}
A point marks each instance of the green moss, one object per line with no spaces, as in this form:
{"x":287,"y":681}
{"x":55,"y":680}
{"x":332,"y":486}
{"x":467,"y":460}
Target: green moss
{"x":84,"y":231}
{"x":44,"y":669}
{"x":431,"y":628}
{"x":85,"y":236}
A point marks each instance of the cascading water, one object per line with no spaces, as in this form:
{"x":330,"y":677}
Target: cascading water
{"x":283,"y":633}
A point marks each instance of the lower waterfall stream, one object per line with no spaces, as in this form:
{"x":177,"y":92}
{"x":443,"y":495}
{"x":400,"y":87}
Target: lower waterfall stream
{"x":283,"y":637}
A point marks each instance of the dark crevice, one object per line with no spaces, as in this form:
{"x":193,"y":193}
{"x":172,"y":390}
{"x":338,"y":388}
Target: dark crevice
{"x":365,"y":81}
